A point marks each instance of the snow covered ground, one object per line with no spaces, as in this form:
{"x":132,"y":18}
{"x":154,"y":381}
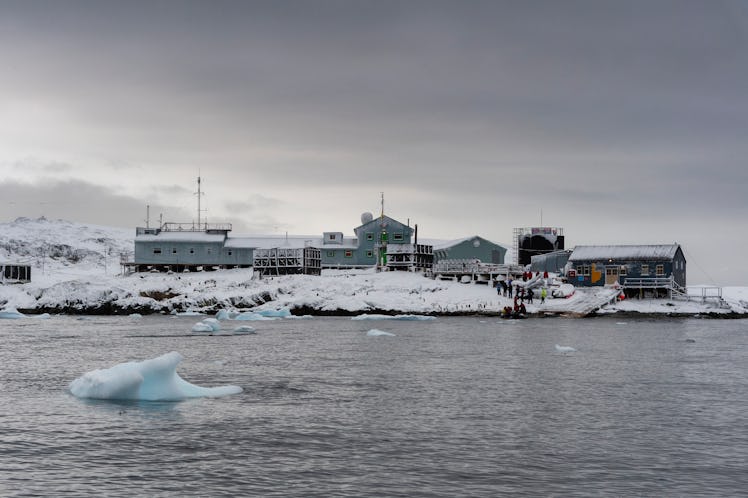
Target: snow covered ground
{"x":75,"y":268}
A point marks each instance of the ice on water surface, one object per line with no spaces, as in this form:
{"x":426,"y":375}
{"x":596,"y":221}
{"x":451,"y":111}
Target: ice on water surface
{"x":149,"y":380}
{"x":393,"y":317}
{"x":565,"y":349}
{"x":379,"y":333}
{"x":11,"y":313}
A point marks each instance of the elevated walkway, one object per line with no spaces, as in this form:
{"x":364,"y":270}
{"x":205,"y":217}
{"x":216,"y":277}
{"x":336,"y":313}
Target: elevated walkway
{"x":582,"y":303}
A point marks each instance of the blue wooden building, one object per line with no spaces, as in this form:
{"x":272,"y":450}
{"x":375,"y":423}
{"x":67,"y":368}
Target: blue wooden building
{"x":635,"y":266}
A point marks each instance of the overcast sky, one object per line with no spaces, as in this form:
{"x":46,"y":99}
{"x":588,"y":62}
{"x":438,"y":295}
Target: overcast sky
{"x":620,"y":121}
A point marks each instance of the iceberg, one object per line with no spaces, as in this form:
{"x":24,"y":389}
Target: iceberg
{"x":222,"y":315}
{"x":379,"y":333}
{"x":281,"y":313}
{"x":11,"y":314}
{"x":149,"y":380}
{"x":202,"y":327}
{"x":252,"y":316}
{"x":244,"y":329}
{"x":565,"y":349}
{"x":393,"y":317}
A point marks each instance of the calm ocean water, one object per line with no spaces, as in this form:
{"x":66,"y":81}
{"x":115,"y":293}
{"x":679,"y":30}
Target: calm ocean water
{"x":451,"y":407}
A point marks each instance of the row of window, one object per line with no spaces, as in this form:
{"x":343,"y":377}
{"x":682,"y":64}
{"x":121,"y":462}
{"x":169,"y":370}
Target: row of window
{"x":585,"y":270}
{"x":397,"y":236}
{"x":349,"y":254}
{"x":157,"y":250}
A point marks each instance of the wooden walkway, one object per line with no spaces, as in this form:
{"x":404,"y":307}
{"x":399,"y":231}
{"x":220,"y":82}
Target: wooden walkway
{"x":582,"y":303}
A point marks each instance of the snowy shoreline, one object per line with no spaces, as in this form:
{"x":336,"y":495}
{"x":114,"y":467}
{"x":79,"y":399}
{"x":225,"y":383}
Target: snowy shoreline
{"x":74,"y":266}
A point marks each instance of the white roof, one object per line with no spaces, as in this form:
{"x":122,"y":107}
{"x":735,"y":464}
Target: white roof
{"x":273,"y":241}
{"x":181,"y":237}
{"x":446,"y":244}
{"x":632,"y":252}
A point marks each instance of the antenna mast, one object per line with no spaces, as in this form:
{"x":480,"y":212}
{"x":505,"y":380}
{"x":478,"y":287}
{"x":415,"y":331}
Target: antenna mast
{"x":199,"y":194}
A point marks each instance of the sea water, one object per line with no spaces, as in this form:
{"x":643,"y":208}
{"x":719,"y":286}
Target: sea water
{"x":449,"y":407}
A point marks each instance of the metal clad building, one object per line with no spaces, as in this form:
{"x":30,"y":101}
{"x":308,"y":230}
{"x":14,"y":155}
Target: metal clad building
{"x":469,"y":248}
{"x":601,"y":265}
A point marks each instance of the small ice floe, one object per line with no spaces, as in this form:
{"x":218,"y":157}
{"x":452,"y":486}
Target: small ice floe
{"x":565,"y":349}
{"x":379,"y":333}
{"x":223,"y":315}
{"x":10,"y":313}
{"x":621,"y":323}
{"x":301,"y":317}
{"x":150,"y":380}
{"x":44,"y":316}
{"x":252,"y":316}
{"x":135,"y":316}
{"x":281,"y":313}
{"x":690,"y":340}
{"x":202,"y":327}
{"x":244,"y":329}
{"x":393,"y":317}
{"x":190,"y":313}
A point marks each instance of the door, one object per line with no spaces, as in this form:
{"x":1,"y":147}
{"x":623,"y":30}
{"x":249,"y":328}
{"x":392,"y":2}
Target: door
{"x":611,"y":275}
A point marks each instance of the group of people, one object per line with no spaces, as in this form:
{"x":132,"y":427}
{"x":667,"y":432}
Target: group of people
{"x":506,"y":288}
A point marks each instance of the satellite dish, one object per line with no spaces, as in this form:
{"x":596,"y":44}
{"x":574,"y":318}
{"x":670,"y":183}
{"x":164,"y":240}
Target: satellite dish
{"x":366,"y":218}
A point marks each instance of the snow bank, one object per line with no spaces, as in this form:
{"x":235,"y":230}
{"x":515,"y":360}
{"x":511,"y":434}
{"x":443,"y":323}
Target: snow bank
{"x":149,"y":380}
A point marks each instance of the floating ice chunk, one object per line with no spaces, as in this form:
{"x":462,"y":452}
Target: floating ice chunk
{"x":44,"y":316}
{"x":379,"y":333}
{"x":244,"y":329}
{"x":281,"y":313}
{"x":135,"y":315}
{"x":213,"y":323}
{"x":202,"y":327}
{"x":300,"y":317}
{"x":190,"y":313}
{"x":11,"y":313}
{"x":565,"y":349}
{"x":252,"y":316}
{"x":222,"y":315}
{"x":149,"y":380}
{"x":393,"y":317}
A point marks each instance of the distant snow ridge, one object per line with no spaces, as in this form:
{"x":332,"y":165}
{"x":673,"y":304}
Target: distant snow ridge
{"x":150,"y":380}
{"x":394,"y":317}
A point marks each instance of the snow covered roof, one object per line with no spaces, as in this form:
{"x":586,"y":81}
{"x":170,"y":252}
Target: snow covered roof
{"x":663,"y":252}
{"x":272,"y":241}
{"x":181,"y":237}
{"x":445,"y":244}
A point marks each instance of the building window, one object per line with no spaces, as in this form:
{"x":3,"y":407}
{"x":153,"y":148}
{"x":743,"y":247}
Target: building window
{"x":331,"y":236}
{"x":349,"y":254}
{"x":660,"y":270}
{"x":586,"y":270}
{"x":173,"y":250}
{"x":397,"y":236}
{"x":623,"y":271}
{"x":580,"y":270}
{"x":230,"y":253}
{"x":645,"y":269}
{"x":192,"y":250}
{"x":369,"y":236}
{"x":369,"y":254}
{"x":157,"y":250}
{"x":210,"y":251}
{"x":330,"y":254}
